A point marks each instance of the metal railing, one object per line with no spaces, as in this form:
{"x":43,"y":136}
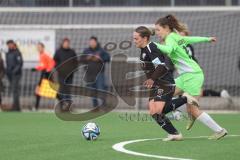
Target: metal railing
{"x":99,"y":3}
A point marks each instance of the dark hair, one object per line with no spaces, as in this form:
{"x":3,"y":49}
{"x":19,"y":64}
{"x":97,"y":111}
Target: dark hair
{"x":41,"y":44}
{"x":66,"y":39}
{"x":144,"y":32}
{"x":10,"y":41}
{"x":94,"y":38}
{"x":172,"y":22}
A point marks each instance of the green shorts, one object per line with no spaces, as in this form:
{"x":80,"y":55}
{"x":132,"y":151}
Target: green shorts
{"x":191,"y":83}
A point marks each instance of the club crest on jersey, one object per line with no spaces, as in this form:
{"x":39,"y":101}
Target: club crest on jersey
{"x":159,"y":92}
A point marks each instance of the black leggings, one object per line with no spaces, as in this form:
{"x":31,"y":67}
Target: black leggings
{"x":0,"y":98}
{"x":44,"y":75}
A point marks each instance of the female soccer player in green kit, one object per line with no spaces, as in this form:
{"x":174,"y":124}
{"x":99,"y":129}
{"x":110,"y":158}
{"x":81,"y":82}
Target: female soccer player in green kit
{"x":191,"y":77}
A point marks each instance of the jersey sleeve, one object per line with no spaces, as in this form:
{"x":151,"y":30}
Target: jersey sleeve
{"x":164,"y":48}
{"x":169,"y":47}
{"x":158,"y":59}
{"x":39,"y":67}
{"x":192,"y":40}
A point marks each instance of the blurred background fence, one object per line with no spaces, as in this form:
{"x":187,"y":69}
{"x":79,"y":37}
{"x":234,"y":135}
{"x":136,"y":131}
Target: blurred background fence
{"x":220,"y":61}
{"x":97,"y":3}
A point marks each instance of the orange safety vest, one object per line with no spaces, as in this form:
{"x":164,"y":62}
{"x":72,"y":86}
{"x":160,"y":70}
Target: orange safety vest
{"x":46,"y":62}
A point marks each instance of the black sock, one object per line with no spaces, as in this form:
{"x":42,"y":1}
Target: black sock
{"x":176,"y":103}
{"x":165,"y":123}
{"x":37,"y":102}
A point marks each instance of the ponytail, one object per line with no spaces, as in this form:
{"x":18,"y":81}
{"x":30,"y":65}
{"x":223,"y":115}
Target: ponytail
{"x":172,"y":22}
{"x":152,"y":30}
{"x":185,"y":29}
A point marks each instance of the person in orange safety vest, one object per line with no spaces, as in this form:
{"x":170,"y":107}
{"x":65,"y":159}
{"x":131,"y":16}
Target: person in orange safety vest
{"x":46,"y":64}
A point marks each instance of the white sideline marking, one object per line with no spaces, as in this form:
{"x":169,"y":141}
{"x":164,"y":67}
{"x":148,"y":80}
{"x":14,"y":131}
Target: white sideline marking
{"x":120,"y":148}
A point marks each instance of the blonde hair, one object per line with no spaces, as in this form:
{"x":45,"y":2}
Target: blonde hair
{"x":184,"y":28}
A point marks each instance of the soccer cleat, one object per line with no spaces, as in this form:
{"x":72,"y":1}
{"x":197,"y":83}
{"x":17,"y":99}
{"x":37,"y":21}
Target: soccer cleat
{"x":219,"y":135}
{"x":190,"y":122}
{"x":173,"y":137}
{"x":191,"y":100}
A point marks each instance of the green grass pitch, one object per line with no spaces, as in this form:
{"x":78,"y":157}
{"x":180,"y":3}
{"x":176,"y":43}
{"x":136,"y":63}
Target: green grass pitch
{"x":42,"y":136}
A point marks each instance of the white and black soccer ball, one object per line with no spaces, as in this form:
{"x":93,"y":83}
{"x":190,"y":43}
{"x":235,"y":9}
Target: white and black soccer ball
{"x":90,"y":131}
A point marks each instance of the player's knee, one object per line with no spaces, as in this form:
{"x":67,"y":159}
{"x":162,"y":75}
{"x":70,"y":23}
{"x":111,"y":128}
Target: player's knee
{"x":194,"y":111}
{"x":151,"y":112}
{"x":167,"y":108}
{"x":156,"y":107}
{"x":151,"y":109}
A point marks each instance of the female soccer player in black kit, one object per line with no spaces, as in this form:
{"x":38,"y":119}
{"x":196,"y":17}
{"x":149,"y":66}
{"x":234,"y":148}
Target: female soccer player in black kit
{"x":160,"y":82}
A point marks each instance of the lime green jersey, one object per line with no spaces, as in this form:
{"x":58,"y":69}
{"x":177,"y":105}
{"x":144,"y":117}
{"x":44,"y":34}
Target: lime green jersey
{"x":175,"y":48}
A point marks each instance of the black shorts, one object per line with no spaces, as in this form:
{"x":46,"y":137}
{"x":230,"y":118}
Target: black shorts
{"x":162,"y":91}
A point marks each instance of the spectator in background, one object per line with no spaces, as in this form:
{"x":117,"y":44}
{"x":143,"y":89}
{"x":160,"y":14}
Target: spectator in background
{"x":46,"y":64}
{"x":65,"y":72}
{"x":14,"y":63}
{"x":96,"y":57}
{"x":2,"y":72}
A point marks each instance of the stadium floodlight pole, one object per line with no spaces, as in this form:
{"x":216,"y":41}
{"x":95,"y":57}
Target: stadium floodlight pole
{"x":97,"y":3}
{"x":137,"y":81}
{"x":228,"y":2}
{"x":172,"y":3}
{"x":70,"y":3}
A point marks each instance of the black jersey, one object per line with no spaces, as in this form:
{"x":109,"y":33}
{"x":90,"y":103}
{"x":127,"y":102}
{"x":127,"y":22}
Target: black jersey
{"x":191,"y":53}
{"x":154,"y":61}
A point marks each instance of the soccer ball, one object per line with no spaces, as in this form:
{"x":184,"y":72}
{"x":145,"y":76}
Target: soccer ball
{"x":177,"y":115}
{"x":90,"y":131}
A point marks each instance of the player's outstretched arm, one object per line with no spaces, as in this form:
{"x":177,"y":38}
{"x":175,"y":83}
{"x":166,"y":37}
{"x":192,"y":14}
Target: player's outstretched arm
{"x":167,"y":49}
{"x":192,"y":40}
